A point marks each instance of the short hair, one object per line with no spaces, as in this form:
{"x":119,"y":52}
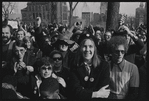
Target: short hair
{"x":116,"y":41}
{"x":19,"y":43}
{"x":10,"y":27}
{"x":43,"y":61}
{"x":49,"y":84}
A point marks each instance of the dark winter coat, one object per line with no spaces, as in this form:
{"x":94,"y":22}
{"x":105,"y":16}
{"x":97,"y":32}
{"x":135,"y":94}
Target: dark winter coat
{"x":83,"y":88}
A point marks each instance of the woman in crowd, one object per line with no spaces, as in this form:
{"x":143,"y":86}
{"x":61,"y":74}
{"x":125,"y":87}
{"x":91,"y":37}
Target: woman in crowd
{"x":20,"y":35}
{"x":31,"y":82}
{"x":90,"y":74}
{"x":32,"y":53}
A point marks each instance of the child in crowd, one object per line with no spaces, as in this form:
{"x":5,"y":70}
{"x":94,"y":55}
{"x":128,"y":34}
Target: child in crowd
{"x":49,"y":89}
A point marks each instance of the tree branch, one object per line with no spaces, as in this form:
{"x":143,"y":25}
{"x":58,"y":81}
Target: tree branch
{"x":75,"y":6}
{"x":12,"y":7}
{"x":70,"y":5}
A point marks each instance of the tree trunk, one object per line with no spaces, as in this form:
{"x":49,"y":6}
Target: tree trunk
{"x":70,"y":17}
{"x":112,"y":15}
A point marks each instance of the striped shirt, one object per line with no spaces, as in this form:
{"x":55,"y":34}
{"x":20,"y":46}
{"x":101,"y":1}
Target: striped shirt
{"x":123,"y":76}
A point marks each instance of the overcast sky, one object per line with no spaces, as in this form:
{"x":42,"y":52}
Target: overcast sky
{"x":125,"y":7}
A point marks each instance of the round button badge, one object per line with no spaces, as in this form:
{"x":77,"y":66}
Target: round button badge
{"x":91,"y":79}
{"x":86,"y":78}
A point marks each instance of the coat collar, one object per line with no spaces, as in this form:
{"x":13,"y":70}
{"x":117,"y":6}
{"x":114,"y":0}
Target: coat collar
{"x":120,"y":65}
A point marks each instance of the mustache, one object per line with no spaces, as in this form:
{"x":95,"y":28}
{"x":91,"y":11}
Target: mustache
{"x":4,"y":37}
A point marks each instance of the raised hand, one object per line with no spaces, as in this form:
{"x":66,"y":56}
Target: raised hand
{"x":38,"y":21}
{"x":61,"y":81}
{"x":21,"y":65}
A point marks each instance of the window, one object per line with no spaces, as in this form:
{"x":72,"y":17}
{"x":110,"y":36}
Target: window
{"x":32,"y":8}
{"x":34,"y":16}
{"x":29,"y":8}
{"x":43,"y":15}
{"x":40,"y":15}
{"x":36,"y":8}
{"x":46,"y":7}
{"x":64,"y":9}
{"x":47,"y":16}
{"x":39,"y":8}
{"x":64,"y":16}
{"x":43,"y":8}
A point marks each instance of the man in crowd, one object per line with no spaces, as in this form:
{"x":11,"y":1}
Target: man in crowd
{"x":124,"y":75}
{"x":7,"y":45}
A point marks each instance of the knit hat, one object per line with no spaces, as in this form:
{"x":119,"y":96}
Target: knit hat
{"x":86,"y":36}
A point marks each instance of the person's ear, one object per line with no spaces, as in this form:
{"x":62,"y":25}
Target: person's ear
{"x":11,"y":35}
{"x":25,"y":50}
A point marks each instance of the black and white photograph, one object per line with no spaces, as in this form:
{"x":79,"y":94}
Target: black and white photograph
{"x":74,"y":50}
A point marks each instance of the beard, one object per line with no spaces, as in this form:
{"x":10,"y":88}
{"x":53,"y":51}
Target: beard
{"x":5,"y":39}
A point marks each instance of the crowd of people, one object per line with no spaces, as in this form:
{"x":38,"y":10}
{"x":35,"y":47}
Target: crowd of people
{"x":58,"y":62}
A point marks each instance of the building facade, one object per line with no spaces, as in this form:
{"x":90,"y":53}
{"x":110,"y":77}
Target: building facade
{"x":50,"y":12}
{"x":103,"y":7}
{"x":88,"y":17}
{"x":141,"y":15}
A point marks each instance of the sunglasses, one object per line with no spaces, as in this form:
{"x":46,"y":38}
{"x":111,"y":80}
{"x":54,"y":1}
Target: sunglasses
{"x":45,"y":68}
{"x":57,"y":58}
{"x":118,"y":51}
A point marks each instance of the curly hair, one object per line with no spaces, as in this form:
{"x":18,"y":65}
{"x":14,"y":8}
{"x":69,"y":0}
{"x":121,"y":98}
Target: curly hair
{"x":116,"y":41}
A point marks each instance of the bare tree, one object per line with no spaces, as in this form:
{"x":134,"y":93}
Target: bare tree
{"x":7,"y":8}
{"x":72,"y":8}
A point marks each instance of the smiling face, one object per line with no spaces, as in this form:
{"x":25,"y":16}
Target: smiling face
{"x":45,"y":71}
{"x":107,"y":36}
{"x":97,"y":35}
{"x":88,"y":49}
{"x":6,"y":34}
{"x":28,"y":44}
{"x":20,"y":35}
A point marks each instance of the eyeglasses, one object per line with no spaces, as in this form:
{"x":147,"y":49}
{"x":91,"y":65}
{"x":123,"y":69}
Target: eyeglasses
{"x":44,"y":68}
{"x":57,"y":58}
{"x":118,"y":51}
